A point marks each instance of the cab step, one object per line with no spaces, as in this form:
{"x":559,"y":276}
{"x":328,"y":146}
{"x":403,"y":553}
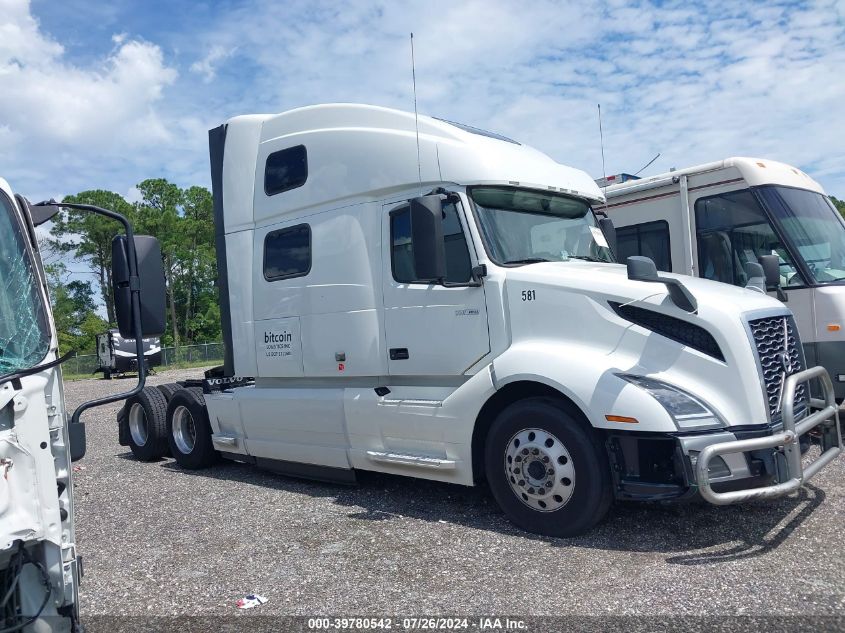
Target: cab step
{"x":384,"y":457}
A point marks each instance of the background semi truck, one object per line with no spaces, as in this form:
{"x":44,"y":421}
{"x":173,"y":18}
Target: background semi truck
{"x":711,"y":219}
{"x":39,"y":564}
{"x":419,"y":297}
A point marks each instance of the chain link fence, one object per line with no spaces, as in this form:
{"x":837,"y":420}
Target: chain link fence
{"x":210,"y":353}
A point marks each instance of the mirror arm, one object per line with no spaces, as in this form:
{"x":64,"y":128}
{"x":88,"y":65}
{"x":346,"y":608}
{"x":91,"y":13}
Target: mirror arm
{"x":135,"y":289}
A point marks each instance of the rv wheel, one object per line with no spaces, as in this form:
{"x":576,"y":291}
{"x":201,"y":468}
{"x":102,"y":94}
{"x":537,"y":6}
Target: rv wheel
{"x":189,"y":431}
{"x":106,"y":374}
{"x":547,"y":471}
{"x":147,"y":422}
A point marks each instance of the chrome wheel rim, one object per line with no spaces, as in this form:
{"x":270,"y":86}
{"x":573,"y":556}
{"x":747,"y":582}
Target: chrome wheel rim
{"x":184,"y":430}
{"x":138,"y":424}
{"x":539,"y":470}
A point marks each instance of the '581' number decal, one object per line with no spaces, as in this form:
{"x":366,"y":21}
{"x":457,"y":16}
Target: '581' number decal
{"x":529,"y":295}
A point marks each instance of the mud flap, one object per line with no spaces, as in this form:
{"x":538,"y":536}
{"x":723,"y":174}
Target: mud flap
{"x":123,"y":426}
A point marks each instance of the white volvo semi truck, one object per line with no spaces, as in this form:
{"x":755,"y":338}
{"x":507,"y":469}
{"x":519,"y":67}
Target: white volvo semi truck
{"x":39,"y":564}
{"x":709,"y":220}
{"x":418,"y":297}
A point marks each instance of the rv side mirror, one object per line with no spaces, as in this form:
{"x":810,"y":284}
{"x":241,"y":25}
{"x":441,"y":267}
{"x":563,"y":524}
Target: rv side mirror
{"x":150,"y":283}
{"x":771,"y":270}
{"x":427,"y":238}
{"x":609,"y":231}
{"x":641,"y":269}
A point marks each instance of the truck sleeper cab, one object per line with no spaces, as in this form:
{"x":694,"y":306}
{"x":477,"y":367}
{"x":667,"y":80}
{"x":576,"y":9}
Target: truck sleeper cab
{"x":463,"y":319}
{"x":709,"y":220}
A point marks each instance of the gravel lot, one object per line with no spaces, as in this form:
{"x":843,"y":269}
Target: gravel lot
{"x":158,"y":540}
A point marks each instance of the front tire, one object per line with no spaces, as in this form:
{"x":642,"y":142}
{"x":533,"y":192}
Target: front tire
{"x":546,"y":469}
{"x":189,"y":431}
{"x":147,"y":424}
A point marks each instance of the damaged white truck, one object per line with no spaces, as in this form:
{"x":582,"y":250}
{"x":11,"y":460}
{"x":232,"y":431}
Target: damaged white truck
{"x":418,"y":297}
{"x":39,"y":565}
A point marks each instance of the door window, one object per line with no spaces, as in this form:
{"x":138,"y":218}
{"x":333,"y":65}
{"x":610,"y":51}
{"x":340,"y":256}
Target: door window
{"x":458,"y":266}
{"x":733,"y":229}
{"x":650,"y":239}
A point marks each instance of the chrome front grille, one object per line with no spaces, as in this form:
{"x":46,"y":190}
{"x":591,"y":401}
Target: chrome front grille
{"x":779,"y":354}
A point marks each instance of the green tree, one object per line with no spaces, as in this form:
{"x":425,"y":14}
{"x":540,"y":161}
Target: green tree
{"x":88,"y":236}
{"x":158,"y":214}
{"x":74,"y":311}
{"x":839,"y":204}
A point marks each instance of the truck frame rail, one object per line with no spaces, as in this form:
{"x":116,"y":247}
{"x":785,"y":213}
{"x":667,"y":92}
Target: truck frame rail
{"x":794,"y":474}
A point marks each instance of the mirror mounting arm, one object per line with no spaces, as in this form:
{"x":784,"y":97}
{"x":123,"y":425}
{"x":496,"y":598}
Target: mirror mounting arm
{"x":135,"y":288}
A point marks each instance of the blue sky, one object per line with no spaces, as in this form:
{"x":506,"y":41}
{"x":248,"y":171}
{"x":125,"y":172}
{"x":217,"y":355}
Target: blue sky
{"x":105,"y":94}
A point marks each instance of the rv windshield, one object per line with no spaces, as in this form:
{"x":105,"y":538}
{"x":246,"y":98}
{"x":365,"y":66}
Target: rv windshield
{"x":813,"y":228}
{"x":521,"y":226}
{"x":24,"y":336}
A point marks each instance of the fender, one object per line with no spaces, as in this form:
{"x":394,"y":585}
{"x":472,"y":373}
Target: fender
{"x":584,"y":377}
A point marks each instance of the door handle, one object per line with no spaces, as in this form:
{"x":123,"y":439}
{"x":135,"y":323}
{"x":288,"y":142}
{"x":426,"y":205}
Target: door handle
{"x":398,"y":353}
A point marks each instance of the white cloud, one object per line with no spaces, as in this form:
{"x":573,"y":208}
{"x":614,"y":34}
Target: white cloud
{"x":207,"y":66}
{"x":64,"y":118}
{"x":695,"y":82}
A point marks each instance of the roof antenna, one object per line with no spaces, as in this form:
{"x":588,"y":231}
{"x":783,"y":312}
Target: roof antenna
{"x":647,"y":164}
{"x":603,"y":171}
{"x":416,"y":116}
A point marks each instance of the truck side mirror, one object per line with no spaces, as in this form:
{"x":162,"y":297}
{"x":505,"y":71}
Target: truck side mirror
{"x":756,"y":278}
{"x":771,"y":271}
{"x":427,"y":238}
{"x":606,"y":226}
{"x":150,"y":283}
{"x":644,"y":269}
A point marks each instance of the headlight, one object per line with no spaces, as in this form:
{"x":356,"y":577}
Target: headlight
{"x":687,"y":411}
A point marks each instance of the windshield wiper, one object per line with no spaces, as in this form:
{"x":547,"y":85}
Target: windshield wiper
{"x":527,"y":260}
{"x":588,"y":258}
{"x":34,"y":370}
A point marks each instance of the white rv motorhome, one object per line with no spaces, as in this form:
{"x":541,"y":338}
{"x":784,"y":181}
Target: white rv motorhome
{"x":39,"y":564}
{"x":116,"y":355}
{"x":429,"y":299}
{"x":711,"y":219}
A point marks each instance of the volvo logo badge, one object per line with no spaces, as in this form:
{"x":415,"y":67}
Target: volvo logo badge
{"x":785,"y":362}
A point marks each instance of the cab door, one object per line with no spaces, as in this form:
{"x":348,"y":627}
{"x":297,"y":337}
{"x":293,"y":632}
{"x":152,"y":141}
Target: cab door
{"x":432,"y":329}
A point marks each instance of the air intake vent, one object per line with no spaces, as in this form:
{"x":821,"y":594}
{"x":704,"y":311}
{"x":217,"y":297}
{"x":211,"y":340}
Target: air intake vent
{"x":779,"y":353}
{"x":678,"y":330}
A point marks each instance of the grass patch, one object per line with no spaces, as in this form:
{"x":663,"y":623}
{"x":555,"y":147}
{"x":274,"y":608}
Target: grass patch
{"x":180,"y":365}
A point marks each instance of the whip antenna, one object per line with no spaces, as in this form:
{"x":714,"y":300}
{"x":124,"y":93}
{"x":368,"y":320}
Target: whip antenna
{"x":647,"y":164}
{"x":416,"y":116}
{"x":603,"y":171}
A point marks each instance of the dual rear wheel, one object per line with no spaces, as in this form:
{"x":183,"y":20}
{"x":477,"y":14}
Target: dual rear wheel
{"x":171,"y":420}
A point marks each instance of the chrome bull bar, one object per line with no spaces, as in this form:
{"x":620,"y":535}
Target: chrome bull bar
{"x":826,"y":416}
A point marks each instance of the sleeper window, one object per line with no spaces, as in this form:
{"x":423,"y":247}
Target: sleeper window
{"x":286,"y":169}
{"x":650,"y":239}
{"x":287,"y":253}
{"x":458,"y":267}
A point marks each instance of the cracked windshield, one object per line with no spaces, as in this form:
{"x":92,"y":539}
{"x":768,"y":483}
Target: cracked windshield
{"x":24,"y":338}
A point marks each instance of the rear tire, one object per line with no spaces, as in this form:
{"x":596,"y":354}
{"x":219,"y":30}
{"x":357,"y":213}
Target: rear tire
{"x":546,"y":469}
{"x":189,"y":431}
{"x":147,"y":421}
{"x":168,"y":390}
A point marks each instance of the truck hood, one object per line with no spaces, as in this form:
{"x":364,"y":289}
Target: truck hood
{"x":575,"y":304}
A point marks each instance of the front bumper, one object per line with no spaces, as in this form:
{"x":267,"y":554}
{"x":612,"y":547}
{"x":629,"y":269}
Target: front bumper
{"x":790,"y":474}
{"x":731,"y":465}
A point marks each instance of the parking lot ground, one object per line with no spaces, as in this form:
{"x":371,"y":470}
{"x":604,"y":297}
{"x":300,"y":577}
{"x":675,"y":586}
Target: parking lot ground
{"x":159,"y":540}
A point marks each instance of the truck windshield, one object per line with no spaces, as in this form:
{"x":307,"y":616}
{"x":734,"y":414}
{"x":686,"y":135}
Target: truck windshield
{"x":24,"y":335}
{"x":812,"y":227}
{"x":521,"y":226}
